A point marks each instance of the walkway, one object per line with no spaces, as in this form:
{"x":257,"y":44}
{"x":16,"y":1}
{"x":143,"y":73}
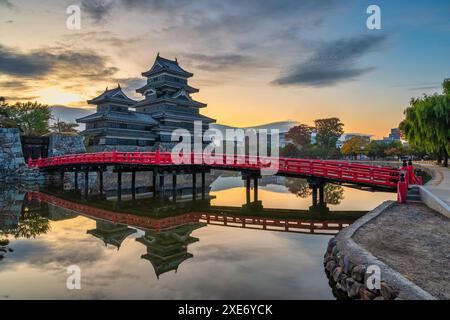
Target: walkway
{"x":413,"y":240}
{"x":437,"y":190}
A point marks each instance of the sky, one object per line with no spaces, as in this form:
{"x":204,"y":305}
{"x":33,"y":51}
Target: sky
{"x":254,"y":61}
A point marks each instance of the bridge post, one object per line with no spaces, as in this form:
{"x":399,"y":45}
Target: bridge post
{"x":174,"y":186}
{"x":402,"y":189}
{"x":203,"y":185}
{"x":255,"y":189}
{"x":161,"y":185}
{"x":133,"y":184}
{"x":75,"y":179}
{"x":119,"y":185}
{"x":194,"y":186}
{"x":154,"y":182}
{"x":247,"y":189}
{"x":322,"y":194}
{"x":62,"y":178}
{"x":100,"y":178}
{"x":86,"y":182}
{"x":314,"y":195}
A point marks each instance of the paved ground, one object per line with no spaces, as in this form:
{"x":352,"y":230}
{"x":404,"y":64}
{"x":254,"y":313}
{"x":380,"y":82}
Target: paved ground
{"x":413,"y":240}
{"x":440,"y":184}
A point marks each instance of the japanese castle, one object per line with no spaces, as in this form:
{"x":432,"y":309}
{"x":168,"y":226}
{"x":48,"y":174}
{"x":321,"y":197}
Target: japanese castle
{"x":167,"y":105}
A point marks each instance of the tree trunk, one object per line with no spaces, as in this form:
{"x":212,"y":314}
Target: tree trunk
{"x":439,"y":157}
{"x":445,"y":155}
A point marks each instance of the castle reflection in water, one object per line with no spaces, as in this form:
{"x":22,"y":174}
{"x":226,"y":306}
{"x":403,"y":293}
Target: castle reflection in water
{"x":166,"y":225}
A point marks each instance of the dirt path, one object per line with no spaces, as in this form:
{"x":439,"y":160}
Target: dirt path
{"x":415,"y":241}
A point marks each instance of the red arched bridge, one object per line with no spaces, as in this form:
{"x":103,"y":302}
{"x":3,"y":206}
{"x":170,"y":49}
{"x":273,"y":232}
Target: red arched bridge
{"x":333,"y":171}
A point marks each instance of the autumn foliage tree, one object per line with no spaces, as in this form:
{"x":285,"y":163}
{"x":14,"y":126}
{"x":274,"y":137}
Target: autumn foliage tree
{"x":354,"y":146}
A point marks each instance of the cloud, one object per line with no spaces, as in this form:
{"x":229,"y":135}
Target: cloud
{"x":332,"y":62}
{"x":6,"y":3}
{"x":62,"y":63}
{"x":222,"y":61}
{"x":98,"y":9}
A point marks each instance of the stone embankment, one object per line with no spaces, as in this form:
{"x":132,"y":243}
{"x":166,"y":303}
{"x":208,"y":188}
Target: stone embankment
{"x":407,"y":243}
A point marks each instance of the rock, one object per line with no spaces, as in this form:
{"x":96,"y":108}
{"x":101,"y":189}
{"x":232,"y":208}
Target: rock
{"x":348,"y":265}
{"x":330,"y":266}
{"x":327,"y":259}
{"x":354,"y":291}
{"x":359,"y":273}
{"x":366,"y":294}
{"x":379,"y":298}
{"x":341,"y":261}
{"x":337,"y":274}
{"x":388,"y":292}
{"x":343,"y":282}
{"x":334,"y":251}
{"x":349,"y":282}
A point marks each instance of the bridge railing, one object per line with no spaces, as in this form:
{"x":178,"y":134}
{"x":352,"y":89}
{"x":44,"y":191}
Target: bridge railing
{"x":337,"y":170}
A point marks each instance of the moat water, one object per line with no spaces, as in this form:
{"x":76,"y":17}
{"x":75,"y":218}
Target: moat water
{"x":153,"y":248}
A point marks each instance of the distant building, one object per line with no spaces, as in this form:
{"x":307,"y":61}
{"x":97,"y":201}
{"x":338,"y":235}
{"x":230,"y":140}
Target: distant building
{"x":394,"y":135}
{"x":167,"y":105}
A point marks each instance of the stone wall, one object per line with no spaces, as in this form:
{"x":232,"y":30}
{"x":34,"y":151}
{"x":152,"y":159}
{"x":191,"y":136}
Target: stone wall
{"x":61,"y":144}
{"x":11,"y":156}
{"x":349,"y":279}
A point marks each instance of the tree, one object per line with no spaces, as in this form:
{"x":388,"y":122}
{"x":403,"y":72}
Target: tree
{"x":64,"y":127}
{"x":5,"y":121}
{"x":290,"y":151}
{"x":328,"y":132}
{"x":354,"y":146}
{"x":300,"y":135}
{"x":374,"y":150}
{"x":30,"y":117}
{"x":427,"y":122}
{"x":394,"y":149}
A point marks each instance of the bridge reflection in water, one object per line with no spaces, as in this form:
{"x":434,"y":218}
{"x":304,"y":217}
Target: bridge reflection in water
{"x":167,"y":225}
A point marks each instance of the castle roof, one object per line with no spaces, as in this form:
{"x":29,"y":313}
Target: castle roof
{"x":127,"y":117}
{"x":165,"y":65}
{"x":113,"y":95}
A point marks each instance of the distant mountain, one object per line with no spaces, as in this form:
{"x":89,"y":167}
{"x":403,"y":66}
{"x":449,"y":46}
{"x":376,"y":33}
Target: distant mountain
{"x":68,"y":114}
{"x":282,"y":126}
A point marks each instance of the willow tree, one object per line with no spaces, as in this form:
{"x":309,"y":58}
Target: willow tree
{"x":427,"y":124}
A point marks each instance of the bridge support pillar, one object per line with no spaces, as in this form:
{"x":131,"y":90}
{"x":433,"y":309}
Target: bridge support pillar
{"x":247,"y":189}
{"x":194,"y":186}
{"x":154,"y":182}
{"x":86,"y":182}
{"x":174,"y":187}
{"x":203,"y":185}
{"x":255,"y":189}
{"x":119,"y":185}
{"x":314,"y":196}
{"x":62,"y":179}
{"x":75,"y":179}
{"x":100,"y":181}
{"x":161,"y":185}
{"x":322,"y":194}
{"x":133,"y":184}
